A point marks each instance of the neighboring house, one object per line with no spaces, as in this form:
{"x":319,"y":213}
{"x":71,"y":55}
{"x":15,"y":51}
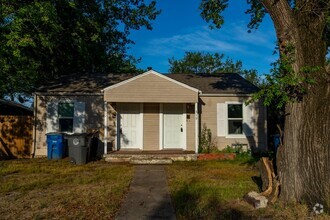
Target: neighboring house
{"x":15,"y":130}
{"x":151,"y":111}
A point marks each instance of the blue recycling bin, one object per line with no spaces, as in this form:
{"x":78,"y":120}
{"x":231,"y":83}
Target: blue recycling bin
{"x":55,"y":146}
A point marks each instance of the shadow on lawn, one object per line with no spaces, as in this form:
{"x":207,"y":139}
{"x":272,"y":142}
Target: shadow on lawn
{"x":190,"y":203}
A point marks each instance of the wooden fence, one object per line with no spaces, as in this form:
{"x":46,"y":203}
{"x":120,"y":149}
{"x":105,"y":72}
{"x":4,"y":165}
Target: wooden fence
{"x":16,"y":136}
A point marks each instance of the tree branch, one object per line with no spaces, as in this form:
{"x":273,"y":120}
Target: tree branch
{"x":281,"y":14}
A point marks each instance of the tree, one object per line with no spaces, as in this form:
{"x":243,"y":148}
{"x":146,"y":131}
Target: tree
{"x":42,"y":39}
{"x":211,"y":63}
{"x":301,"y":82}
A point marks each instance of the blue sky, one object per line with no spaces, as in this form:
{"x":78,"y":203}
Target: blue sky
{"x":179,"y":28}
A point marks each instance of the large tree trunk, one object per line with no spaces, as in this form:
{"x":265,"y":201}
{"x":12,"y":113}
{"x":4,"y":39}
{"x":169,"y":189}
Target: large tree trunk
{"x":303,"y":160}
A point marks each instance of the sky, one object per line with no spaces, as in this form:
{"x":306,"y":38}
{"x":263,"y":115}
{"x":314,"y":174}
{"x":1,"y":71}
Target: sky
{"x":179,"y":29}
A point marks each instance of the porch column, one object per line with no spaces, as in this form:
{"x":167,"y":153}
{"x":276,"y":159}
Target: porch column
{"x":105,"y":137}
{"x":196,"y":127}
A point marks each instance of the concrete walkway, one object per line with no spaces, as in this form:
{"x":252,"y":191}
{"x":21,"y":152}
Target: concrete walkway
{"x":148,"y":196}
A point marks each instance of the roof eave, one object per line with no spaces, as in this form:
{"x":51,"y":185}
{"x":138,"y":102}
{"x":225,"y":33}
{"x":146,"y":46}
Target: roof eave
{"x":61,"y":93}
{"x":11,"y":103}
{"x":225,"y":95}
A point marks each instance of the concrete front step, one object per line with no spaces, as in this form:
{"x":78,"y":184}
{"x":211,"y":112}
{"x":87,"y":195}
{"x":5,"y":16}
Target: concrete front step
{"x":149,"y":159}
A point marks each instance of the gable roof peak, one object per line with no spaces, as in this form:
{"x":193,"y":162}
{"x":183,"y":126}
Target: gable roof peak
{"x":154,"y":73}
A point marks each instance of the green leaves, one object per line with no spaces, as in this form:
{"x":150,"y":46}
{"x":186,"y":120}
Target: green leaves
{"x":211,"y":11}
{"x":211,"y":63}
{"x":27,"y":33}
{"x":43,"y":39}
{"x":257,"y":12}
{"x":284,"y":85}
{"x":199,"y":62}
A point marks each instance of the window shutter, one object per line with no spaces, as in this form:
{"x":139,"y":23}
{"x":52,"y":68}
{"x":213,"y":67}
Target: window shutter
{"x":221,"y":119}
{"x":79,"y":117}
{"x":52,"y":117}
{"x":248,"y":119}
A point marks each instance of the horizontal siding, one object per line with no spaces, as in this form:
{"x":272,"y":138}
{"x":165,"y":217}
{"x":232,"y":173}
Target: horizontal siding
{"x":209,"y":118}
{"x":93,"y":121}
{"x":151,"y":126}
{"x":150,"y":89}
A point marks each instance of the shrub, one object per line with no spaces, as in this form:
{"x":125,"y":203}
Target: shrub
{"x":206,"y":143}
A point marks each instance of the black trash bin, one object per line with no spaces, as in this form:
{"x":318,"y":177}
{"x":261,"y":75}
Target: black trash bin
{"x":78,"y":147}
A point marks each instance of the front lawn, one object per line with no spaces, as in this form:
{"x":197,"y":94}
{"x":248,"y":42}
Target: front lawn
{"x":42,"y":189}
{"x":214,"y":190}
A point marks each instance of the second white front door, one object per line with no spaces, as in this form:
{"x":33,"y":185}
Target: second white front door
{"x":130,"y":125}
{"x":174,"y":126}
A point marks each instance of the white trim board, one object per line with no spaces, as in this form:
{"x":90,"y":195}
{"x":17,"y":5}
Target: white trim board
{"x":161,"y":119}
{"x":224,"y":95}
{"x":196,"y":127}
{"x":184,"y":122}
{"x":105,"y":136}
{"x":147,"y":73}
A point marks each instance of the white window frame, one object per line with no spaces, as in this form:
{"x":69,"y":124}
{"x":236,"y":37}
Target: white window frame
{"x":249,"y":120}
{"x":227,"y":120}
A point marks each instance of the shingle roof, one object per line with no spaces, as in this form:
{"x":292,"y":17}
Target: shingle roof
{"x":220,"y":83}
{"x":13,"y":108}
{"x":82,"y":83}
{"x":223,"y":83}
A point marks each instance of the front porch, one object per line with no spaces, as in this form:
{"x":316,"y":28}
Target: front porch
{"x":146,"y":113}
{"x":150,"y":157}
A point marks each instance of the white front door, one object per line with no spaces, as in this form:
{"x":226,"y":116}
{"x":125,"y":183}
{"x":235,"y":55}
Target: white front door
{"x":174,"y":126}
{"x":130,"y":125}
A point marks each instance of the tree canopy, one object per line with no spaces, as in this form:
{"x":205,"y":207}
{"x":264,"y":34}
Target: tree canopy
{"x":211,"y":63}
{"x":45,"y":38}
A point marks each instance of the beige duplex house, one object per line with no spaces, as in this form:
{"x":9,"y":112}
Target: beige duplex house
{"x":151,"y":111}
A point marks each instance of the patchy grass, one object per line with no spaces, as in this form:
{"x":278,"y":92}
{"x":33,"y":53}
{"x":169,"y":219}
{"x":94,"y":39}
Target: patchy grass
{"x":42,"y":189}
{"x":214,"y":190}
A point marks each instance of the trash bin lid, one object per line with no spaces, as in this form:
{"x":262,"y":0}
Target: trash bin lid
{"x":75,"y":134}
{"x":54,"y":133}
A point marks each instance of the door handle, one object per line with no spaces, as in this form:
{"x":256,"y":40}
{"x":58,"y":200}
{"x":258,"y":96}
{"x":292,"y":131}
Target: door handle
{"x":181,"y":129}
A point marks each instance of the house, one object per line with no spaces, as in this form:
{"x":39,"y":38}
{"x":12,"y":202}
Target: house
{"x":151,"y":111}
{"x":15,"y":130}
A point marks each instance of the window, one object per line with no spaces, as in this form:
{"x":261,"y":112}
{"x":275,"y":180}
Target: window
{"x":65,"y":117}
{"x":235,"y":119}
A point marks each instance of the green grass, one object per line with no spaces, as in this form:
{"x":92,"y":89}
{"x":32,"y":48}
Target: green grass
{"x":200,"y":188}
{"x":42,"y":189}
{"x":214,"y":190}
